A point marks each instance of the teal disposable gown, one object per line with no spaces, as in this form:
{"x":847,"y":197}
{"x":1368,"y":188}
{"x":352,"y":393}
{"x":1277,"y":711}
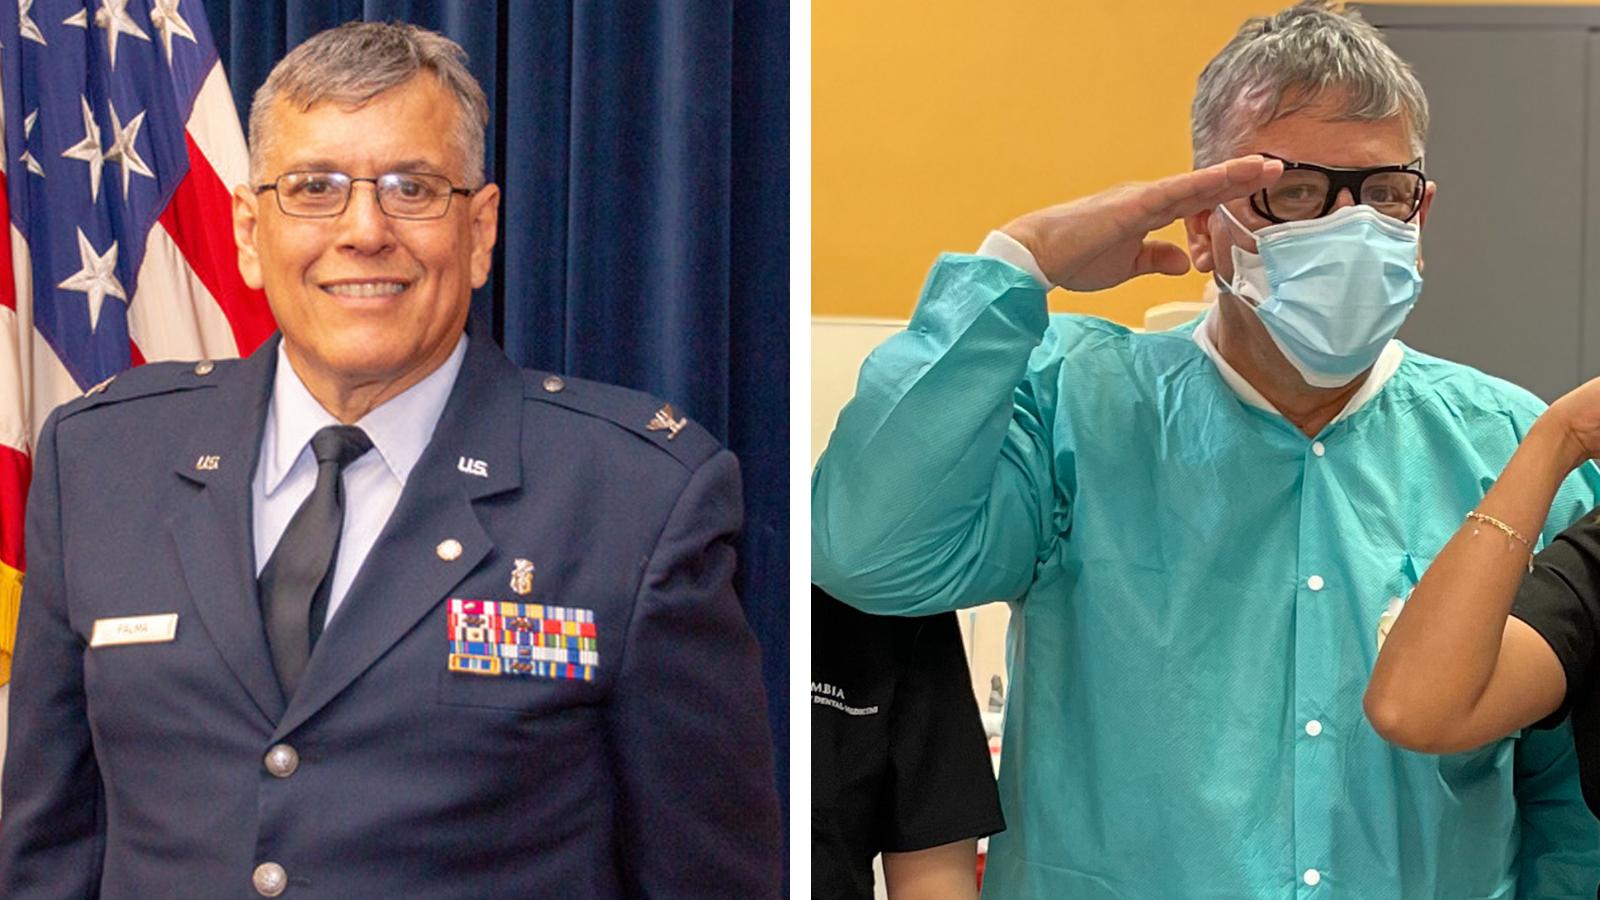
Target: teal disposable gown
{"x":1196,"y":589}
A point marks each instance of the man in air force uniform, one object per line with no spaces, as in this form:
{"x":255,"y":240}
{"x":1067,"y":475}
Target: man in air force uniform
{"x":373,"y":612}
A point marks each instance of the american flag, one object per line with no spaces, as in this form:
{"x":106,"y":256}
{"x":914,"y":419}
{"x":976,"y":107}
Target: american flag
{"x":121,"y":145}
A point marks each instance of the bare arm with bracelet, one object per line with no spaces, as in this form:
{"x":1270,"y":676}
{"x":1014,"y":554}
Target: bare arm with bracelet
{"x":1458,"y":670}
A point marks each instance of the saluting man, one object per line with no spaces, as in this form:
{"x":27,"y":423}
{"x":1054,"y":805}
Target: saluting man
{"x":373,"y":612}
{"x":1202,"y":532}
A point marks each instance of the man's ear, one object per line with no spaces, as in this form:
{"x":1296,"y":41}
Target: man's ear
{"x":1422,"y":215}
{"x":1427,"y":202}
{"x":244,"y":235}
{"x":485,"y":226}
{"x":1198,"y":227}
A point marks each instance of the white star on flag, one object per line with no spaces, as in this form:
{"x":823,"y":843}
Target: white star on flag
{"x":123,"y":152}
{"x":27,"y":158}
{"x":97,"y":278}
{"x":164,"y":15}
{"x":79,"y":18}
{"x":26,"y":25}
{"x":113,"y":17}
{"x":89,"y":150}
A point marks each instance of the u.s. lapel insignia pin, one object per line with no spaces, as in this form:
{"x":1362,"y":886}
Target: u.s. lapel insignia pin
{"x":522,"y":577}
{"x":664,"y":421}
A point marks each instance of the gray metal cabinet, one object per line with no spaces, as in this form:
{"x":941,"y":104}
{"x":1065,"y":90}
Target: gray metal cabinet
{"x":1511,"y":259}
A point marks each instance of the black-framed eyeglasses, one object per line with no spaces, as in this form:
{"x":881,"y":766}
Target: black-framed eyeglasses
{"x":1308,"y":191}
{"x":401,"y":195}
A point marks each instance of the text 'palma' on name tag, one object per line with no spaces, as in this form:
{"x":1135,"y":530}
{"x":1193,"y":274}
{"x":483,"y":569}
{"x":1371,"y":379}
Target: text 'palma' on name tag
{"x":134,"y":630}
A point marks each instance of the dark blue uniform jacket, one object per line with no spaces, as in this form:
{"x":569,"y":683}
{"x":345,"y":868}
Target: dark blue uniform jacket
{"x":138,"y":770}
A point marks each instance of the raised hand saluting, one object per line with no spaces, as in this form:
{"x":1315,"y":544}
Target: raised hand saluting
{"x":1102,"y":240}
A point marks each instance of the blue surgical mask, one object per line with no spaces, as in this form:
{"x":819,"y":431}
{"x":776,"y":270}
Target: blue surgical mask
{"x":1332,"y":291}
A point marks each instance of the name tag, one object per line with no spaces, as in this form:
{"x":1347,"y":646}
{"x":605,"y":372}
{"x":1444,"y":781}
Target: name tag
{"x":134,"y":630}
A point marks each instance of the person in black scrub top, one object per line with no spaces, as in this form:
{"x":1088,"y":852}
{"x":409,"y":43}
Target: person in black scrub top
{"x":1496,"y":637}
{"x":899,"y":761}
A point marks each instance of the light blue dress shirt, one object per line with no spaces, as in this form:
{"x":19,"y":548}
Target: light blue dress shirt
{"x":1196,"y":590}
{"x":286,"y":471}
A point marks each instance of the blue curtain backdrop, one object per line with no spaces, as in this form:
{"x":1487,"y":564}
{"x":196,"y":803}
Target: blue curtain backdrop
{"x":643,"y":153}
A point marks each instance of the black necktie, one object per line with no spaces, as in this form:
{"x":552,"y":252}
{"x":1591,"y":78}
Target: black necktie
{"x":296,"y":580}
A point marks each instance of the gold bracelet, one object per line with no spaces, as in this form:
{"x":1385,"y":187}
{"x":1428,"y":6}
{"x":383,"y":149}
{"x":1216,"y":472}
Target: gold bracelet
{"x":1505,"y":529}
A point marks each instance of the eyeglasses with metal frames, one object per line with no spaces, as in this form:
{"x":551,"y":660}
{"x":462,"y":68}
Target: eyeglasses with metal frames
{"x":401,"y":195}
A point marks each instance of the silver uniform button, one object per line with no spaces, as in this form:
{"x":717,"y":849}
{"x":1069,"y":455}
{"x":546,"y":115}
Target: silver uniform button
{"x":204,"y":367}
{"x":270,"y":879}
{"x":554,"y":384}
{"x":282,"y":760}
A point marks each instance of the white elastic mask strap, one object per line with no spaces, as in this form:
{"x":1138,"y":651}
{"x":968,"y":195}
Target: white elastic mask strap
{"x":1238,"y":228}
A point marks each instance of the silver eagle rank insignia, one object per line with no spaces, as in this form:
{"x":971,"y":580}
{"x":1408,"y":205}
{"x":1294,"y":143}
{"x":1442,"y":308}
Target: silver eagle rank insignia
{"x":664,"y":421}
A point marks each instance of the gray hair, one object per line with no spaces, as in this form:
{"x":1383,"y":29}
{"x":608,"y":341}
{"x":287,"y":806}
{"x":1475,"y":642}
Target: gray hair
{"x":1277,"y":65}
{"x":357,"y":61}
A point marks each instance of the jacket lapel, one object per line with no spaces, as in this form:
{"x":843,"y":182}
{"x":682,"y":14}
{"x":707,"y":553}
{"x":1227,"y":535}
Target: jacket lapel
{"x":405,"y":576}
{"x":212,"y":526}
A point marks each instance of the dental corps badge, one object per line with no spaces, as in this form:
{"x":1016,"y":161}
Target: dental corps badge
{"x":522,"y":640}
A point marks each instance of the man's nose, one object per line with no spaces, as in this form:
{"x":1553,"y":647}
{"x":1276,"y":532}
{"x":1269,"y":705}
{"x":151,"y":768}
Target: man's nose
{"x":1343,"y":199}
{"x":363,"y":224}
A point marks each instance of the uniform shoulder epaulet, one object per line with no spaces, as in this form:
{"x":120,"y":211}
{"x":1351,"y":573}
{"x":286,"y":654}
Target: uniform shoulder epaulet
{"x":147,"y":380}
{"x":655,"y":420}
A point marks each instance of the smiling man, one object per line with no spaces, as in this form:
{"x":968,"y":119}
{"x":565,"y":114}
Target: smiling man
{"x":1203,"y":532}
{"x":373,"y":612}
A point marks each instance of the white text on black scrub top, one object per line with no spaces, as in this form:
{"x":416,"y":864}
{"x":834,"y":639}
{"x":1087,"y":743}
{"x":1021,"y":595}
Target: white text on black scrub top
{"x":828,"y":695}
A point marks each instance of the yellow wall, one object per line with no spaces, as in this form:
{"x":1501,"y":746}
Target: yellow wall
{"x":933,"y":122}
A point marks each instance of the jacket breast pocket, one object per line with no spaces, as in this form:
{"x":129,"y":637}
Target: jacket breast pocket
{"x":511,"y":719}
{"x":530,"y":695}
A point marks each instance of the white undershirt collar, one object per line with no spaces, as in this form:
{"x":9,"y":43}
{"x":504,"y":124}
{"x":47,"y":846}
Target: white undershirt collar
{"x":1388,"y":363}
